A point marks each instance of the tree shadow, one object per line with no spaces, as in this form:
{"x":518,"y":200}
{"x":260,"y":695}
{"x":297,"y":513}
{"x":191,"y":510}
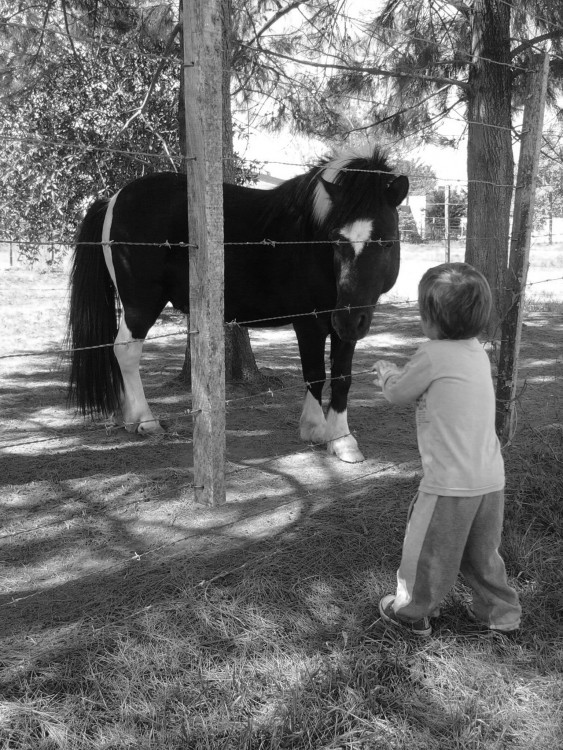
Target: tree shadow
{"x":293,"y":570}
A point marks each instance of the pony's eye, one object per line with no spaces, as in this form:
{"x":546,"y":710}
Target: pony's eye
{"x":386,"y":244}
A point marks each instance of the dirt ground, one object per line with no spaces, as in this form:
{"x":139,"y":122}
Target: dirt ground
{"x":77,"y":499}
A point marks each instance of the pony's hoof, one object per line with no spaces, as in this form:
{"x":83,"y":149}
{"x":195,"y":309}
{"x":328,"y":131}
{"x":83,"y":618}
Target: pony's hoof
{"x":143,"y":426}
{"x":150,"y":427}
{"x":345,"y":450}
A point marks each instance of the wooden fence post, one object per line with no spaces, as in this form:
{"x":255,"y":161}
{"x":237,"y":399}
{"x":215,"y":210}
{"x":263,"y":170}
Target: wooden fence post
{"x":203,"y":109}
{"x":447,"y":222}
{"x":520,"y":247}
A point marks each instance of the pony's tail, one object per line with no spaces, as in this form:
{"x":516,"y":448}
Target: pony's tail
{"x":95,"y":381}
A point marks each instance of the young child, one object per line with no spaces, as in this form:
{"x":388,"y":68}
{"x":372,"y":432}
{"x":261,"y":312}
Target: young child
{"x":455,"y":521}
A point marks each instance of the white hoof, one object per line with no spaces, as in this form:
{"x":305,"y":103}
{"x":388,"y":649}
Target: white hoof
{"x":150,"y":427}
{"x":143,"y":426}
{"x":346,"y":449}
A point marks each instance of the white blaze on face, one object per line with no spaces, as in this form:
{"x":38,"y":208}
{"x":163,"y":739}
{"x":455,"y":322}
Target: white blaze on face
{"x":357,"y":234}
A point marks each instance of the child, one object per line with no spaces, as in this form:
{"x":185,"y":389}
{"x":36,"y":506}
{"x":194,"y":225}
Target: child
{"x":455,"y":521}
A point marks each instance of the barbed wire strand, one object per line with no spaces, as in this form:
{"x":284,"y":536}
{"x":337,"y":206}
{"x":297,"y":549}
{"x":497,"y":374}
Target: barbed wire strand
{"x":266,"y":242}
{"x":413,"y":175}
{"x":197,"y":533}
{"x":256,"y":322}
{"x":232,"y":401}
{"x":240,"y":468}
{"x":109,"y":426}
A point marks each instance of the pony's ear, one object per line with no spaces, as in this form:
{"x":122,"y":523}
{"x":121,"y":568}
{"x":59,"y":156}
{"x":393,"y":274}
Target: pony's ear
{"x":397,"y":190}
{"x":332,"y":189}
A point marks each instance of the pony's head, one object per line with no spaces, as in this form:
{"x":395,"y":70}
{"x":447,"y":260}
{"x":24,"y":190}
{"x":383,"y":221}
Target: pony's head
{"x":355,"y":201}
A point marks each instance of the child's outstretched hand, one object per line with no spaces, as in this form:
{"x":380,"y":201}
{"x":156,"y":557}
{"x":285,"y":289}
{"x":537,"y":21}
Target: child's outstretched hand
{"x":383,"y":367}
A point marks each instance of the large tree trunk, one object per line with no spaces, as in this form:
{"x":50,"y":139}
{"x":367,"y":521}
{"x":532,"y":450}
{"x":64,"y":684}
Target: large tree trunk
{"x":240,"y":364}
{"x":490,"y":165}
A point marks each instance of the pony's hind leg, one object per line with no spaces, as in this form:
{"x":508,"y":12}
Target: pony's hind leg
{"x":136,"y":413}
{"x":340,"y":441}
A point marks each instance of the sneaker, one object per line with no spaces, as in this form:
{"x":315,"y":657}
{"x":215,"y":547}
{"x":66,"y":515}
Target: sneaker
{"x":420,"y":628}
{"x":473,"y":617}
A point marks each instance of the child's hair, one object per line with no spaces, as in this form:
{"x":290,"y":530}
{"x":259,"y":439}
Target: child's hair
{"x":456,"y":299}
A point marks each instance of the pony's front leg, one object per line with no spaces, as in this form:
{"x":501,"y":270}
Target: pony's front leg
{"x":311,"y":339}
{"x":137,"y":416}
{"x":340,"y":442}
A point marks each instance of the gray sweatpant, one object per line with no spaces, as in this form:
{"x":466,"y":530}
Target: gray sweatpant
{"x":449,"y":535}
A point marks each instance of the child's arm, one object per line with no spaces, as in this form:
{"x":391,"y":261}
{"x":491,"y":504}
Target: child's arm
{"x":402,"y":386}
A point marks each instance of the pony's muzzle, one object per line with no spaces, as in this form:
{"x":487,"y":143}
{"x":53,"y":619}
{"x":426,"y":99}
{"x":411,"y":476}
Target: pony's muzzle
{"x":351,"y":325}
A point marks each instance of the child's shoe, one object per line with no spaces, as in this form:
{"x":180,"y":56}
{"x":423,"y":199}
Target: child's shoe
{"x":421,"y":628}
{"x":473,"y":617}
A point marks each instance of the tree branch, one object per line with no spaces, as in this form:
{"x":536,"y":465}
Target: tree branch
{"x":163,"y":143}
{"x":399,"y":112}
{"x":282,"y":12}
{"x":43,"y":30}
{"x":366,"y":69}
{"x":536,"y":40}
{"x":72,"y":47}
{"x":463,"y":8}
{"x":154,"y":80}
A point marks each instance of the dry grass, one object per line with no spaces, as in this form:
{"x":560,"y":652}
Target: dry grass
{"x":277,"y":644}
{"x":287,"y":652}
{"x":272,"y":642}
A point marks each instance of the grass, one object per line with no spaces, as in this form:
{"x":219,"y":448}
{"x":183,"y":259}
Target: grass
{"x":273,"y":642}
{"x":278,"y":646}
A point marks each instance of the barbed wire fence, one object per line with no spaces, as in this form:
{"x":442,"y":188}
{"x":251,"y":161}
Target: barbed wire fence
{"x":231,"y":403}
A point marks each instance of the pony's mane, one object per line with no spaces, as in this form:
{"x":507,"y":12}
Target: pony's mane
{"x":362,"y":175}
{"x":371,"y":160}
{"x":349,"y":168}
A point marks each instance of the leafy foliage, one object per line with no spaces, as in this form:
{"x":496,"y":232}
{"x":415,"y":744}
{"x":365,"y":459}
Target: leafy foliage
{"x":84,"y":75}
{"x":73,"y":128}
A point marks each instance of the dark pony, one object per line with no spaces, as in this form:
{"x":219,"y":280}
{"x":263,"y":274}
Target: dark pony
{"x":334,"y":250}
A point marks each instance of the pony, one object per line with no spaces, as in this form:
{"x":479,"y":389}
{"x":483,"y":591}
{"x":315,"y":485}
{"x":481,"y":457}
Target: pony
{"x":316,"y":251}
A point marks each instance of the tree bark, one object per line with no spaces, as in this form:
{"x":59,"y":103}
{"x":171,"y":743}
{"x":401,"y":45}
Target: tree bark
{"x":240,"y":364}
{"x":490,"y":163}
{"x":530,"y":147}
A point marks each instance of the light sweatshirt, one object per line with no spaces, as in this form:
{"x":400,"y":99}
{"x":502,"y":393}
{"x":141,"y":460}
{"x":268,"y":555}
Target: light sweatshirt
{"x":451,"y":382}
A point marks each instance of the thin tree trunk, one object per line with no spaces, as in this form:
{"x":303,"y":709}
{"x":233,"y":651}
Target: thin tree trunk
{"x":490,"y":163}
{"x":240,"y":364}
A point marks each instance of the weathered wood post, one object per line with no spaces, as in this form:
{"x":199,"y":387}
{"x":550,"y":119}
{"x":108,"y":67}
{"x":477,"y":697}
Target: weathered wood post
{"x":203,"y":109}
{"x":447,"y":223}
{"x":520,"y":247}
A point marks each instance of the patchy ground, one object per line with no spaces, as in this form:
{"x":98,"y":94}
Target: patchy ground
{"x":132,"y":618}
{"x":78,"y":499}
